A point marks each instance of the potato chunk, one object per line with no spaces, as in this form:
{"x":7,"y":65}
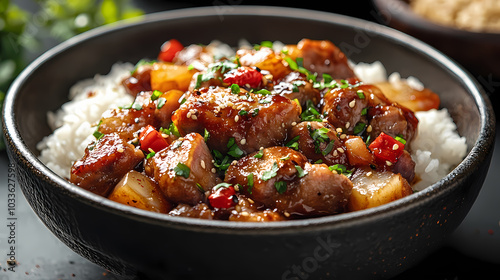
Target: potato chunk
{"x":373,"y":188}
{"x":141,"y":192}
{"x":167,"y":76}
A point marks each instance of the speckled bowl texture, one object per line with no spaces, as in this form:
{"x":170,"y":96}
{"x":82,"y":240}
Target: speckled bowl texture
{"x":376,"y":243}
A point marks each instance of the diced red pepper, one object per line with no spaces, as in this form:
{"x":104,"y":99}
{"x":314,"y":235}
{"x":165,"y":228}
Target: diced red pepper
{"x":223,"y":197}
{"x":385,"y":148}
{"x":169,"y":50}
{"x":243,"y":76}
{"x":151,"y":139}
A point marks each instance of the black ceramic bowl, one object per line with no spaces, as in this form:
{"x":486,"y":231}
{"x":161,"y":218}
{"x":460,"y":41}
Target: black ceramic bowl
{"x":477,"y":51}
{"x":376,"y":243}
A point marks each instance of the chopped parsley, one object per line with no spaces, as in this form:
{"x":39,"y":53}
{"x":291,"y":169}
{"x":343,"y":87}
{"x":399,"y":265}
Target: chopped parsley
{"x":235,"y":89}
{"x":98,"y":135}
{"x":268,"y":174}
{"x":280,"y":186}
{"x":259,"y":154}
{"x":293,"y":144}
{"x":182,"y":170}
{"x":311,"y":113}
{"x":340,"y":169}
{"x":206,"y":135}
{"x":301,"y":172}
{"x":359,"y":128}
{"x":319,"y":136}
{"x":222,"y":185}
{"x":250,"y":183}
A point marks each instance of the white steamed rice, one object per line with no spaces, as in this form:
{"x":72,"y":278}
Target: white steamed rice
{"x":436,"y":150}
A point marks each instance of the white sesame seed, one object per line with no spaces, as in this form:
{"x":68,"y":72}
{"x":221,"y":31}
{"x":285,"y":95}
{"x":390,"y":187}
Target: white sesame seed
{"x":369,"y":128}
{"x":343,"y":136}
{"x":237,"y":187}
{"x":188,"y":115}
{"x":352,"y":103}
{"x":339,"y":130}
{"x":369,"y":174}
{"x":395,"y":147}
{"x":251,"y":200}
{"x":234,"y":162}
{"x":237,"y":118}
{"x":286,"y":214}
{"x":388,"y":163}
{"x":340,"y":150}
{"x":202,"y":163}
{"x":213,"y":170}
{"x":243,"y":141}
{"x":347,"y":125}
{"x":294,"y":123}
{"x":335,"y":153}
{"x":194,"y":117}
{"x":121,"y":150}
{"x":244,"y":213}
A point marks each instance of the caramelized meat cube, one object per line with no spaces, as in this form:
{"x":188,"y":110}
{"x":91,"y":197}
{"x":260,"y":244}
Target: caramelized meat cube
{"x":282,"y":178}
{"x":183,"y":170}
{"x":393,"y":120}
{"x":127,"y":121}
{"x":295,"y":86}
{"x":318,"y":141}
{"x":405,"y":166}
{"x":200,"y":211}
{"x":347,"y":107}
{"x":364,"y":110}
{"x":105,"y":163}
{"x":322,"y":57}
{"x":265,"y":59}
{"x":247,"y":211}
{"x":253,"y":120}
{"x":140,"y":80}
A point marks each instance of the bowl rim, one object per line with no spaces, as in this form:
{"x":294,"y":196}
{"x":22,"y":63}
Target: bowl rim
{"x":445,"y":185}
{"x":400,"y":10}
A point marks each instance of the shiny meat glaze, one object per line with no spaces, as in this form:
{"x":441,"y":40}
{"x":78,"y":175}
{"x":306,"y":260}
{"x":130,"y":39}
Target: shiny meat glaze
{"x":264,"y":136}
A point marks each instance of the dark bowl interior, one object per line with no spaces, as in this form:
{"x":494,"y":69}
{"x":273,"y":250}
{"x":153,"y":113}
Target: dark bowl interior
{"x":376,"y":243}
{"x":477,"y":51}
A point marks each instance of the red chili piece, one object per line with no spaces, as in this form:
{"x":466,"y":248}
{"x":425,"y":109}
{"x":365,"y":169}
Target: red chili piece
{"x":243,"y":76}
{"x":150,"y":138}
{"x":169,"y":50}
{"x":223,"y":197}
{"x":385,"y":148}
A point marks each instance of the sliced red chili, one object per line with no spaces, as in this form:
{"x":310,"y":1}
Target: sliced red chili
{"x":243,"y":76}
{"x":151,"y":139}
{"x":223,"y":197}
{"x":169,"y":50}
{"x":385,"y":148}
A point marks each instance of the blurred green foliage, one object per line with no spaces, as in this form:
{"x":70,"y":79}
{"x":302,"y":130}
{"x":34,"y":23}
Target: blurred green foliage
{"x":23,"y":32}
